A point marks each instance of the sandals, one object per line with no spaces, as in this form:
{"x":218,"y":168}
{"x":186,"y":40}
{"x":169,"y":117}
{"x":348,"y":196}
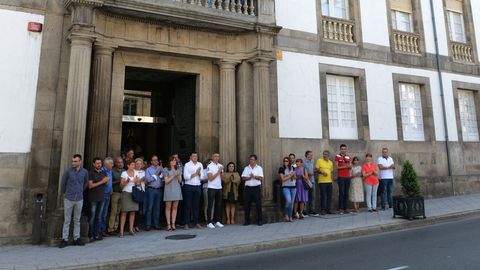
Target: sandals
{"x":132,"y":233}
{"x":169,"y":227}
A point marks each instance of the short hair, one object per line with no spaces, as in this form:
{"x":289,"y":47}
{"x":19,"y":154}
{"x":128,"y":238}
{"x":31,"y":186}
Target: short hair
{"x":326,"y":151}
{"x":368,"y":155}
{"x":130,"y":162}
{"x":355,"y":158}
{"x":253,"y":156}
{"x":299,"y":160}
{"x":193,"y":153}
{"x":119,"y":158}
{"x":234,"y":166}
{"x":153,"y":157}
{"x":138,"y":159}
{"x":95,"y":159}
{"x":343,"y":145}
{"x":291,"y":154}
{"x":307,"y":153}
{"x":129,"y":150}
{"x":108,"y":159}
{"x":77,"y":156}
{"x":384,"y":149}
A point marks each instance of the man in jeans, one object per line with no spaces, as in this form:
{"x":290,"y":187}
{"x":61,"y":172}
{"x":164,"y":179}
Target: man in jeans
{"x":386,"y":166}
{"x":97,"y":179}
{"x":343,"y":163}
{"x":308,"y":163}
{"x":324,"y":168}
{"x":193,"y":190}
{"x":74,"y":182}
{"x":107,"y":168}
{"x":115,"y":197}
{"x":153,"y":176}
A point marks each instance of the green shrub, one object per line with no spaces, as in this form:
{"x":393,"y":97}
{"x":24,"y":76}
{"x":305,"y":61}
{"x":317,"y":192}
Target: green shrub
{"x":410,"y":186}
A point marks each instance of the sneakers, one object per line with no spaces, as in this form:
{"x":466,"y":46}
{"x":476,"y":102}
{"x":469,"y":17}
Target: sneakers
{"x":313,"y":214}
{"x":186,"y":227}
{"x":211,"y":226}
{"x":63,"y":244}
{"x":219,"y":225}
{"x":78,"y":242}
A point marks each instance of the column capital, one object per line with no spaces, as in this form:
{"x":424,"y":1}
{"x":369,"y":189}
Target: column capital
{"x":260,"y":61}
{"x":93,"y":3}
{"x":78,"y":38}
{"x":82,"y":13}
{"x":104,"y":48}
{"x":227,"y":63}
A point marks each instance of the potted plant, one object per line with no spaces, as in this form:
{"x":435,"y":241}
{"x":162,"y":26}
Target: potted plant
{"x":411,"y":204}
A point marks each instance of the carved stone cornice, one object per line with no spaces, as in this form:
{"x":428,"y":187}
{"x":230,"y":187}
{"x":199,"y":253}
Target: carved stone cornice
{"x":94,"y":3}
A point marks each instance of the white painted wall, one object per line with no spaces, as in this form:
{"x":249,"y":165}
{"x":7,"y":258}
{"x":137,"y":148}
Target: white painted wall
{"x":19,"y":64}
{"x":298,"y":15}
{"x":298,"y":76}
{"x":374,"y":22}
{"x":440,"y":23}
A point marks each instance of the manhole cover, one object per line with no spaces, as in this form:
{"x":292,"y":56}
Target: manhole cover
{"x":180,"y":237}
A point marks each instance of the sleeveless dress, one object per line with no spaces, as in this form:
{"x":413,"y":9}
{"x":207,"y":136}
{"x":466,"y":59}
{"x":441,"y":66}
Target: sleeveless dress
{"x":173,"y":190}
{"x":302,"y":193}
{"x":356,"y":186}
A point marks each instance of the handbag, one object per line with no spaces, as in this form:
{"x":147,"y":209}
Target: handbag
{"x":307,"y":185}
{"x":138,"y":194}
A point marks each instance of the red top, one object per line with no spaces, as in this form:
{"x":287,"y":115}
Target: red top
{"x":371,"y":179}
{"x":343,"y":161}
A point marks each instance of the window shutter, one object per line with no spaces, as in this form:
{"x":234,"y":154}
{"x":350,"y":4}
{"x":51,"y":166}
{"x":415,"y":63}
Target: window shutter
{"x":454,"y":5}
{"x":401,"y":5}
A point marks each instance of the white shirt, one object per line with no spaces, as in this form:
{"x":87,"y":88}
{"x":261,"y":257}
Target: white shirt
{"x":141,"y":175}
{"x":256,"y":171}
{"x":131,"y":181}
{"x":190,"y":169}
{"x":385,"y":162}
{"x":213,"y":169}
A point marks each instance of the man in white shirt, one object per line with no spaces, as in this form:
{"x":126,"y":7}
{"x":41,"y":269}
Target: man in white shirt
{"x":386,"y":166}
{"x":191,"y":173}
{"x":215,"y":192}
{"x":253,"y":176}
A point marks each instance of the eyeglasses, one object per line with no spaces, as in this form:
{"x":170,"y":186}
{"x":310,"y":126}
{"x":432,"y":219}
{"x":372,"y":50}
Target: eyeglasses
{"x":286,"y":161}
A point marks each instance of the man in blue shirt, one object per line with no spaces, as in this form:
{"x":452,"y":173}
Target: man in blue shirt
{"x":153,"y":176}
{"x":107,"y":191}
{"x":74,"y":182}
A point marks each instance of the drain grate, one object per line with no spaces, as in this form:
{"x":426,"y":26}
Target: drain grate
{"x":181,"y":237}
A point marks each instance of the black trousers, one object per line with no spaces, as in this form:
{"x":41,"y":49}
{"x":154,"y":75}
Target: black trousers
{"x":214,"y":195}
{"x":252,"y":194}
{"x":191,"y":202}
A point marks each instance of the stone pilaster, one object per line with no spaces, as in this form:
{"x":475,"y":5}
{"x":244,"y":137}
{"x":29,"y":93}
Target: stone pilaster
{"x":99,"y":108}
{"x":227,"y":117}
{"x":261,"y":126}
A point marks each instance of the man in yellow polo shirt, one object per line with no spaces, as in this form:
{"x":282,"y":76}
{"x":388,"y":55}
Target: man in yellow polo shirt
{"x":324,"y":168}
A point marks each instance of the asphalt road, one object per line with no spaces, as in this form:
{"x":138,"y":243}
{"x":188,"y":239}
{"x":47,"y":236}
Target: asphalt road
{"x":454,"y":245}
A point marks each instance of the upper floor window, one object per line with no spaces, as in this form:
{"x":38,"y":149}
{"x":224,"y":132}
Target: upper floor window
{"x":456,"y":24}
{"x":402,"y":15}
{"x":335,"y":8}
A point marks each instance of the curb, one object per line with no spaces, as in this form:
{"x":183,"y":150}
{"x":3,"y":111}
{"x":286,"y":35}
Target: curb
{"x":270,"y":245}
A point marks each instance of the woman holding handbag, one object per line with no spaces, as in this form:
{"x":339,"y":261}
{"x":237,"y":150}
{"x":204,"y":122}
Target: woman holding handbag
{"x":172,"y":191}
{"x":289,"y":188}
{"x":303,"y":185}
{"x":129,"y":181}
{"x":231,"y":181}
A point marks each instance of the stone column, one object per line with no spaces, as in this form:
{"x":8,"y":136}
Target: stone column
{"x":261,"y":126}
{"x":227,"y":117}
{"x":99,"y":109}
{"x":75,"y":119}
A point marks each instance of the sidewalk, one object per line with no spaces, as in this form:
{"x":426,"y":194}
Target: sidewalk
{"x":151,"y":248}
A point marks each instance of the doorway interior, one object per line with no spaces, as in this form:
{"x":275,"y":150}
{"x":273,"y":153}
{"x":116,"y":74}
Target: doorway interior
{"x":158,"y":112}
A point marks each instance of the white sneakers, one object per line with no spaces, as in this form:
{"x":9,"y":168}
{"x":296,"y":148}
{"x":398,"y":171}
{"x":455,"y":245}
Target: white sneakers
{"x":218,"y":225}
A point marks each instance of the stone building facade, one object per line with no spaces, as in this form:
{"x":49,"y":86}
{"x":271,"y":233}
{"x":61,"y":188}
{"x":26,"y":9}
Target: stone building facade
{"x":255,"y":76}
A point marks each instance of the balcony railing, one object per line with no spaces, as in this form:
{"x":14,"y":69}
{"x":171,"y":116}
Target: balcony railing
{"x":246,"y":7}
{"x":462,"y":52}
{"x":338,"y":29}
{"x":406,"y":42}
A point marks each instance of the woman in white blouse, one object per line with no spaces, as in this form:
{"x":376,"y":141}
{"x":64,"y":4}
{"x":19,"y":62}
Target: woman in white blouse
{"x":129,"y":180}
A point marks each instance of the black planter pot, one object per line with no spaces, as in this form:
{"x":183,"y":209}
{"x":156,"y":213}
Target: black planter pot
{"x":408,"y":207}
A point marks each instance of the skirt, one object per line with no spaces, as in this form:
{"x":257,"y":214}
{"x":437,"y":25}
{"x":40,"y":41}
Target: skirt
{"x":128,"y":204}
{"x":355,"y":193}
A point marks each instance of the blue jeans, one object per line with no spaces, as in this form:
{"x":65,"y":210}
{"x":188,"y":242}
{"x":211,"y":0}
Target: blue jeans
{"x":343,"y":187}
{"x":154,"y":199}
{"x":96,"y":209}
{"x":192,"y":202}
{"x":371,"y":196}
{"x":387,"y":185}
{"x":289,"y":195}
{"x":103,"y":219}
{"x":325,"y":196}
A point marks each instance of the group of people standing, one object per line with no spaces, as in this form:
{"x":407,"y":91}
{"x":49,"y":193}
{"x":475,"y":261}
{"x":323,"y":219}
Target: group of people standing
{"x":356,"y":182}
{"x":132,"y":189}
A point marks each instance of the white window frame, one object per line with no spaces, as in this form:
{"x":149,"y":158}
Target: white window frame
{"x":468,"y":116}
{"x":329,"y":8}
{"x":411,"y":112}
{"x":342,"y":111}
{"x":454,"y":35}
{"x":396,"y":16}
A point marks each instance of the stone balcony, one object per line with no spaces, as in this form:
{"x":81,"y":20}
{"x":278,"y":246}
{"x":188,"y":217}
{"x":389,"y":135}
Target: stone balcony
{"x":462,"y":52}
{"x":406,"y":42}
{"x":337,"y":29}
{"x":222,"y":15}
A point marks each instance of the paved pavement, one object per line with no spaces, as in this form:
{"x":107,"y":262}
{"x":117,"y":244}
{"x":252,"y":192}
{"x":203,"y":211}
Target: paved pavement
{"x":446,"y":246}
{"x":152,"y":249}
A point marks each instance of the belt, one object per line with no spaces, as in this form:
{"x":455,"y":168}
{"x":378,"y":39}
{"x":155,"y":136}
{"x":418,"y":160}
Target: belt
{"x":153,"y":187}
